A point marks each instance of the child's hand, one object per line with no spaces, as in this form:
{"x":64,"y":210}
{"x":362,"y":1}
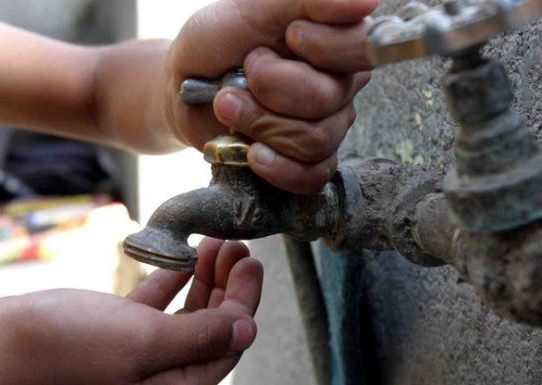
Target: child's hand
{"x":302,"y":59}
{"x":77,"y":337}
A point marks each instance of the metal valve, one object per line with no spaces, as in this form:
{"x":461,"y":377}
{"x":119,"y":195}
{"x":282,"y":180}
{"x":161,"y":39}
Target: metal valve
{"x":229,"y":149}
{"x":449,"y":29}
{"x":202,"y":91}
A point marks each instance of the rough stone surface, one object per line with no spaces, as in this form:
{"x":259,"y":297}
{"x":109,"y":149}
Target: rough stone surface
{"x":429,"y":328}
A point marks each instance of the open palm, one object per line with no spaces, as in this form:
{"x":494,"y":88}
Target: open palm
{"x":79,"y":337}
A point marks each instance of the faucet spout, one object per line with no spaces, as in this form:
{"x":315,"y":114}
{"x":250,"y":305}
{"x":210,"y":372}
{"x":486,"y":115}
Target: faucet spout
{"x":237,"y":205}
{"x":165,"y":239}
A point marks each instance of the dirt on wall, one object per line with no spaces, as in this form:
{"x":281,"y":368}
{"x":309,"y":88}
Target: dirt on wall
{"x":428,"y":326}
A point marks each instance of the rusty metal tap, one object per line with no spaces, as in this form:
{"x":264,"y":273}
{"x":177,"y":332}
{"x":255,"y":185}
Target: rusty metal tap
{"x":449,"y":29}
{"x":237,"y":205}
{"x":484,"y":218}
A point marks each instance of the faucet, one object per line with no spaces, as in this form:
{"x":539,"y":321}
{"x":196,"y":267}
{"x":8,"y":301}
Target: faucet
{"x":236,"y":205}
{"x":484,"y":217}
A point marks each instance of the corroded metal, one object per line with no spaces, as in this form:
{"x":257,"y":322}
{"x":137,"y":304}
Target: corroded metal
{"x":448,"y":29}
{"x":379,"y":200}
{"x":237,"y":205}
{"x":486,"y":223}
{"x":311,"y":305}
{"x":497,"y":182}
{"x":229,"y":149}
{"x":503,"y":267}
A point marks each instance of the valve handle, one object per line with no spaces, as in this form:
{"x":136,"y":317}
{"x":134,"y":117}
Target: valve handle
{"x":203,"y":91}
{"x":229,"y":149}
{"x":448,"y":30}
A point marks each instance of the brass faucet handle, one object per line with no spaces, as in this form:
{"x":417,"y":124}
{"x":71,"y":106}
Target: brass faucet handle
{"x":448,"y":30}
{"x":230,"y":149}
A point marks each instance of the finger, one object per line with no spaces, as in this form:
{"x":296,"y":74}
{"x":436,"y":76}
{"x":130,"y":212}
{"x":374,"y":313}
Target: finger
{"x":230,"y":253}
{"x":216,"y":298}
{"x":159,"y":288}
{"x":209,"y":373}
{"x":330,"y":47}
{"x":204,"y":275}
{"x":201,"y":336}
{"x":228,"y":256}
{"x":315,"y":95}
{"x":305,"y":141}
{"x":338,"y":11}
{"x":247,"y":27}
{"x":213,"y":273}
{"x":290,"y":175}
{"x":208,"y":252}
{"x":244,"y":288}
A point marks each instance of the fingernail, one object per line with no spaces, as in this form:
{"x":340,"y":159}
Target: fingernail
{"x":243,"y":335}
{"x":229,"y":107}
{"x":263,"y":154}
{"x":296,"y":36}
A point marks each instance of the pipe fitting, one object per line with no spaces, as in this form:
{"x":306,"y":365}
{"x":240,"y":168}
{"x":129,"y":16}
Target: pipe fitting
{"x":497,"y":183}
{"x":380,"y":200}
{"x":504,"y":268}
{"x":237,"y":205}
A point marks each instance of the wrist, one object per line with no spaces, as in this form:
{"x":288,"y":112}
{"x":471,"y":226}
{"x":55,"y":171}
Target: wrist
{"x":131,"y":96}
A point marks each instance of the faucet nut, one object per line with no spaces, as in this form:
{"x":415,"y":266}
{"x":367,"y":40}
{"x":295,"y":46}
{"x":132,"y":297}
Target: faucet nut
{"x":478,"y":94}
{"x":230,"y":149}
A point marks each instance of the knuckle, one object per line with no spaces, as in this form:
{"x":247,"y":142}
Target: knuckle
{"x":256,"y":124}
{"x":204,"y":341}
{"x":320,"y":98}
{"x":315,"y":144}
{"x":250,"y":118}
{"x":211,"y":339}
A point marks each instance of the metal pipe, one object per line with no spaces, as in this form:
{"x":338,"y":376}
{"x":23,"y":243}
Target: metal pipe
{"x":311,"y":305}
{"x":503,"y":267}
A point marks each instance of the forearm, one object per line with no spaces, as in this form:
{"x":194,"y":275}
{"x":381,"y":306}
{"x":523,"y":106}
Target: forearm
{"x":111,"y":95}
{"x":10,"y":317}
{"x":45,"y":84}
{"x":132,"y":94}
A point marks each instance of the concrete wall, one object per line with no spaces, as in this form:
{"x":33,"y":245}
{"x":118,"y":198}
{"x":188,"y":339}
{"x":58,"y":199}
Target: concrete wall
{"x":428,"y":327}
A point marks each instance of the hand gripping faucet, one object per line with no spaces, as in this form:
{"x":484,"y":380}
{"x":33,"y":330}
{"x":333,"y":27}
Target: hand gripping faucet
{"x":484,"y":218}
{"x":237,"y":204}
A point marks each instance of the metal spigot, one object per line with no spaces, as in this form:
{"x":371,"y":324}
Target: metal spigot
{"x":487,"y":223}
{"x":238,"y":204}
{"x":497,"y":182}
{"x":449,"y":29}
{"x":229,"y":149}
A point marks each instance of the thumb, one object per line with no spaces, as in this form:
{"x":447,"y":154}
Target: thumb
{"x":202,"y":336}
